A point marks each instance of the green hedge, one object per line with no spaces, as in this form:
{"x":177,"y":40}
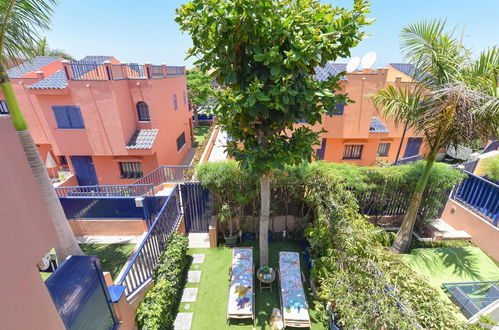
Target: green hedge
{"x":159,"y":307}
{"x":378,"y":190}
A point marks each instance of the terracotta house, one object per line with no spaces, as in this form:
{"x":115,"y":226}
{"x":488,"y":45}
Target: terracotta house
{"x":357,"y":132}
{"x":109,"y":122}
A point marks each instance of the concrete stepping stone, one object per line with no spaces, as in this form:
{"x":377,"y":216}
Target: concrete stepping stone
{"x":189,"y":295}
{"x":194,"y":276}
{"x":198,"y":258}
{"x":183,"y":321}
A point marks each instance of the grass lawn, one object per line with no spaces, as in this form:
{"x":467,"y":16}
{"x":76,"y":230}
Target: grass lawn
{"x":112,"y":257}
{"x":199,"y":134}
{"x":447,"y":265}
{"x":211,"y":306}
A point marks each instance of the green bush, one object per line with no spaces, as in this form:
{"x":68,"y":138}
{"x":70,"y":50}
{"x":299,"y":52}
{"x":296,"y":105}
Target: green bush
{"x":378,"y":190}
{"x":159,"y":307}
{"x":416,"y":244}
{"x":491,"y":167}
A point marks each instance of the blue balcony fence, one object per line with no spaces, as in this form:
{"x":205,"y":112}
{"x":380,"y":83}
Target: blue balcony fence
{"x":81,"y":296}
{"x":98,"y":207}
{"x":480,"y":195}
{"x":146,"y":257}
{"x":175,"y":70}
{"x":107,"y":190}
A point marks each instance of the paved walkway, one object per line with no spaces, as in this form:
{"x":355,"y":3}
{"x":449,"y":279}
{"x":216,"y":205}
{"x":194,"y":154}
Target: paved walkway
{"x":218,"y":153}
{"x":183,"y":321}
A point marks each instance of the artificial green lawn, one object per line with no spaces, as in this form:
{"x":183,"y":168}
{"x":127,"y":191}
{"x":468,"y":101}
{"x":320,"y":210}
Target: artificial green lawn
{"x":447,"y":265}
{"x":210,"y":308}
{"x":199,"y":134}
{"x":112,"y":257}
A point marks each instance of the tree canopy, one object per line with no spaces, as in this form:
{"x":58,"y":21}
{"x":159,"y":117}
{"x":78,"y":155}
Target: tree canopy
{"x":264,"y":53}
{"x":199,"y":86}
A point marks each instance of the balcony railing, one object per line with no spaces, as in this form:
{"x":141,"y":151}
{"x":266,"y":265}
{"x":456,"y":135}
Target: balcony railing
{"x":146,"y":257}
{"x":122,"y":71}
{"x":167,"y":174}
{"x":107,"y":191}
{"x":479,"y":194}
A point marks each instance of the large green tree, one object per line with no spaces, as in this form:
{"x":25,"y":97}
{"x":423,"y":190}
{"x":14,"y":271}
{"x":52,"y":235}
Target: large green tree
{"x":21,"y":20}
{"x":455,"y":100}
{"x":199,"y":86}
{"x":264,"y":53}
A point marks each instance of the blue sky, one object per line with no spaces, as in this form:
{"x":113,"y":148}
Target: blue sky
{"x":146,"y":31}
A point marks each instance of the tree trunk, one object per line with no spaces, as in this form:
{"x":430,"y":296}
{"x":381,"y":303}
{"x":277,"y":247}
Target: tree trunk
{"x":401,"y":143}
{"x":264,"y":219}
{"x":404,"y":236}
{"x":66,"y":241}
{"x":196,"y":120}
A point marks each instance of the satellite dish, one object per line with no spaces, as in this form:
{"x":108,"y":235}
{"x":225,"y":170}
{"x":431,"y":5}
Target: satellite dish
{"x":353,"y":64}
{"x":368,"y":60}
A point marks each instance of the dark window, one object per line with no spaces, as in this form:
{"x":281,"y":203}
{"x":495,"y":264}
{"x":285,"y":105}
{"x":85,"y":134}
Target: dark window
{"x":143,"y":111}
{"x":175,"y":103}
{"x":353,"y":151}
{"x":337,"y":111}
{"x":180,"y":141}
{"x":383,"y":149}
{"x":130,"y":170}
{"x":63,"y":160}
{"x":184,"y":94}
{"x":4,"y":109}
{"x":68,"y":116}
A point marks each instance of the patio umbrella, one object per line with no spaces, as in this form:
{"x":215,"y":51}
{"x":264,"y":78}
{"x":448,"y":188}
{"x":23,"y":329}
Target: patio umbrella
{"x":50,"y":162}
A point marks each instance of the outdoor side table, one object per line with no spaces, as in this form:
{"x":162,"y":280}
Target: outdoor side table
{"x":266,"y":283}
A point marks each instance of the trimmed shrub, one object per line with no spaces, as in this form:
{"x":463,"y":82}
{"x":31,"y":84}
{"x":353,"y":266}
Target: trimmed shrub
{"x":159,"y":307}
{"x":491,"y":168}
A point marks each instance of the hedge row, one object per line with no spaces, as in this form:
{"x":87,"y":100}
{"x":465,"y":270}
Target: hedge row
{"x":159,"y":307}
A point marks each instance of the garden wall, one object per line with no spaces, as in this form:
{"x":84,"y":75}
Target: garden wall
{"x":108,"y":227}
{"x":483,"y":233}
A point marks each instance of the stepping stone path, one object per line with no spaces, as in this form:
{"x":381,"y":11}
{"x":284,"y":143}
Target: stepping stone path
{"x":194,"y":276}
{"x":189,"y":295}
{"x":198,"y":258}
{"x":183,"y":321}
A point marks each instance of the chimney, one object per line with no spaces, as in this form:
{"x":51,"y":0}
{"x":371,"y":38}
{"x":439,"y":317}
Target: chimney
{"x":398,"y":79}
{"x":67,"y":68}
{"x":367,"y":70}
{"x":40,"y":75}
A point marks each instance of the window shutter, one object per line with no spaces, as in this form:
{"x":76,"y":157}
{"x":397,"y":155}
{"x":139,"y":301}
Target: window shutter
{"x":75,"y":117}
{"x":61,"y":117}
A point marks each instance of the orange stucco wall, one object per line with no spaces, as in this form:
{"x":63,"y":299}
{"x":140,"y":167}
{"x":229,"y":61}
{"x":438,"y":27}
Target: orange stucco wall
{"x":108,"y":227}
{"x":483,"y":234}
{"x":110,"y":117}
{"x":27,"y":235}
{"x":352,"y":127}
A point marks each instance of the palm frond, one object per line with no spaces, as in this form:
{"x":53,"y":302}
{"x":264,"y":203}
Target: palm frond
{"x":22,"y":21}
{"x":436,"y":55}
{"x":483,"y":73}
{"x":402,"y":105}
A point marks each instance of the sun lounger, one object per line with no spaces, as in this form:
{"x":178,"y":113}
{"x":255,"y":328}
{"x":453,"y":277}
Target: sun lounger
{"x":293,"y":300}
{"x":241,"y":301}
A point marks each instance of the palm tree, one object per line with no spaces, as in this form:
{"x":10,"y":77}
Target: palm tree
{"x":18,"y":35}
{"x":455,"y":100}
{"x":401,"y":105}
{"x":42,"y":49}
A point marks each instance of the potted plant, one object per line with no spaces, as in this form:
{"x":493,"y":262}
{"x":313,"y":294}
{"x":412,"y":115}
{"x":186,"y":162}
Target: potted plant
{"x":225,"y":216}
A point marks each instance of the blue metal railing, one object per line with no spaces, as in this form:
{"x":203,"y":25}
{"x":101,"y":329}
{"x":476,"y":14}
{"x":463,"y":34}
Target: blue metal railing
{"x":479,"y":194}
{"x":107,"y":190}
{"x":128,"y":71}
{"x":157,"y":72}
{"x":166,"y":174}
{"x":146,"y":257}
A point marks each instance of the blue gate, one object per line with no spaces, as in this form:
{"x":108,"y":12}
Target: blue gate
{"x":196,"y":206}
{"x":85,"y":170}
{"x":412,"y":147}
{"x":80,"y":294}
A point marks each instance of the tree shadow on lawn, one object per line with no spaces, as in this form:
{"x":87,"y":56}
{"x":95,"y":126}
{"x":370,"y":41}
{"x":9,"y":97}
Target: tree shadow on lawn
{"x":452,"y":264}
